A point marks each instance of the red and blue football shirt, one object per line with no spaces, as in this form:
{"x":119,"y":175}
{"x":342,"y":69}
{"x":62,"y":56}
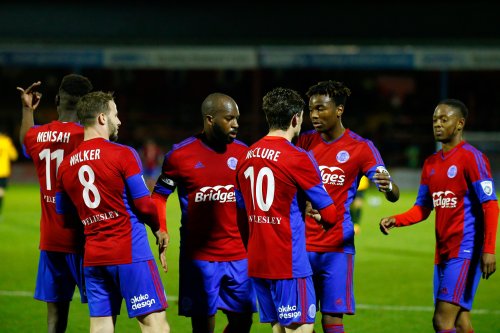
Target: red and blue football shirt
{"x":102,"y":178}
{"x":205,"y":180}
{"x":342,"y":163}
{"x":47,"y":145}
{"x":455,"y":184}
{"x":274,"y":179}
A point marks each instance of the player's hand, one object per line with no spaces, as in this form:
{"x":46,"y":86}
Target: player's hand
{"x":162,"y":240}
{"x":382,"y":179}
{"x":314,"y":213}
{"x":488,"y":264}
{"x":30,"y":98}
{"x":387,"y":223}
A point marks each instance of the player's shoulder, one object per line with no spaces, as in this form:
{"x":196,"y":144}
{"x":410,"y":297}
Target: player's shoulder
{"x":184,"y":144}
{"x":120,"y":148}
{"x":353,"y":136}
{"x":306,"y":138}
{"x":467,"y":148}
{"x":239,"y":144}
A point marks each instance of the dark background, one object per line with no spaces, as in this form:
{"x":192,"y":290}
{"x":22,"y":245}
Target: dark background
{"x":392,"y":107}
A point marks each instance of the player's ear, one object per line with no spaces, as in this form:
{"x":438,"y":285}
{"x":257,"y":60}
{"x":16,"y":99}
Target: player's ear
{"x":101,"y":118}
{"x":210,"y":118}
{"x":58,"y":100}
{"x":296,"y":119}
{"x":339,"y":111}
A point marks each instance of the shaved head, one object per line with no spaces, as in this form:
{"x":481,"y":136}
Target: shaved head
{"x":216,"y":102}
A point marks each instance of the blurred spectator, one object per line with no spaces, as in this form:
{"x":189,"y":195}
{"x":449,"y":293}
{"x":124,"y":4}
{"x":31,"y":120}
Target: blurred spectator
{"x":151,"y":156}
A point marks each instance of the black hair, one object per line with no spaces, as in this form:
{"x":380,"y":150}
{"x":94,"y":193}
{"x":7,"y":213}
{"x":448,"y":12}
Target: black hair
{"x":335,"y":89}
{"x":75,"y":85}
{"x":72,"y":88}
{"x":457,"y":105}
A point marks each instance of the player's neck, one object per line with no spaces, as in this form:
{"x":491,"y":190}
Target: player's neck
{"x":67,"y":116}
{"x":93,"y":133}
{"x":450,"y":145}
{"x":213,"y":143}
{"x":333,"y":134}
{"x":281,"y":133}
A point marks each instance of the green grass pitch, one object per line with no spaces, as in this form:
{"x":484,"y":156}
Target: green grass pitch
{"x":393,"y":274}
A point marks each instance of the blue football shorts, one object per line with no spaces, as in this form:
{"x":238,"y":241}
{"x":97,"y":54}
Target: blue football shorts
{"x":288,"y":301}
{"x":456,"y":281}
{"x":138,"y":283}
{"x":333,"y":281}
{"x":206,"y":286}
{"x":58,"y":274}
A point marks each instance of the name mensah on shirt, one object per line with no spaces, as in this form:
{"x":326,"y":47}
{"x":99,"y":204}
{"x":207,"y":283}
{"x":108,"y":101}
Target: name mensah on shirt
{"x":265,"y":153}
{"x":85,"y":155}
{"x":53,"y":136}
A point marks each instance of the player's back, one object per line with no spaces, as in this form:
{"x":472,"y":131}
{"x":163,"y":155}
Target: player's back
{"x":47,"y":145}
{"x":272,"y":178}
{"x":95,"y":177}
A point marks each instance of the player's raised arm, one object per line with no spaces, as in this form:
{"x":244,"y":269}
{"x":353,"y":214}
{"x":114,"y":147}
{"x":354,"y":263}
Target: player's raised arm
{"x":30,"y":98}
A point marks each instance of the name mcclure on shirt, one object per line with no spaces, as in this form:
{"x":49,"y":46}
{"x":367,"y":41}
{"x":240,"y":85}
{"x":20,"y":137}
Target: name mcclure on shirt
{"x":265,"y":153}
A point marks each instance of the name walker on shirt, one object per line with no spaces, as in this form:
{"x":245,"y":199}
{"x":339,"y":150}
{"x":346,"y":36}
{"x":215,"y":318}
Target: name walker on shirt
{"x":53,"y":136}
{"x":85,"y":155}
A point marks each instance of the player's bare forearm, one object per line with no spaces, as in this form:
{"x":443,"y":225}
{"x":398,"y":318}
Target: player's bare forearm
{"x":393,"y":194}
{"x":26,"y":123}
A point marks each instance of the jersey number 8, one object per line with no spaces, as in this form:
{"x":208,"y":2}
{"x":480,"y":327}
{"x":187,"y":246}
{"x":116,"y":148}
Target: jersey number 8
{"x":85,"y":172}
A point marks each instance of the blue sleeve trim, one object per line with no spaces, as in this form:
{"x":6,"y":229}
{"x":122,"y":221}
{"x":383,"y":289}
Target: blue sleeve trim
{"x":137,"y":186}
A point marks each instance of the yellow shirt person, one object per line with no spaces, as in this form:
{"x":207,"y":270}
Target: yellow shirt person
{"x":357,"y":204}
{"x":8,"y":153}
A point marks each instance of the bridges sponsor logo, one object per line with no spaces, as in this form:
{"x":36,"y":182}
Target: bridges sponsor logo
{"x":444,"y":199}
{"x":218,"y":193}
{"x":332,"y":175}
{"x":289,"y":312}
{"x":141,"y":301}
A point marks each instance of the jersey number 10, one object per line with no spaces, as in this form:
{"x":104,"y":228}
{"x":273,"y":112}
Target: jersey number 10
{"x":256,"y":186}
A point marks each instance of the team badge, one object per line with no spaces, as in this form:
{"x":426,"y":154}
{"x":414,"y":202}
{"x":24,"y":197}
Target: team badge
{"x":342,"y":156}
{"x":452,"y":171}
{"x":311,"y":312}
{"x":231,"y":163}
{"x":487,"y":186}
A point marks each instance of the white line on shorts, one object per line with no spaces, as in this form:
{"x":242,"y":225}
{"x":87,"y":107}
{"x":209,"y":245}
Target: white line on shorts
{"x":370,"y":307}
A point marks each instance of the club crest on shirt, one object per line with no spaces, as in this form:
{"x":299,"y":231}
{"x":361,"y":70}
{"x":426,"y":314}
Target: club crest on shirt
{"x":487,"y":186}
{"x":452,"y":171}
{"x":342,"y":156}
{"x":231,"y":163}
